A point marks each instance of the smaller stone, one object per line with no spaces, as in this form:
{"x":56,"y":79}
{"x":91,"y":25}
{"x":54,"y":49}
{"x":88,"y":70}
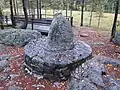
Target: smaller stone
{"x":118,"y":82}
{"x":3,"y":64}
{"x":38,"y":86}
{"x":97,"y":43}
{"x":96,"y":78}
{"x":116,"y":39}
{"x":107,"y":79}
{"x":18,"y":37}
{"x":2,"y":47}
{"x":84,"y":35}
{"x":14,"y":88}
{"x":112,"y":87}
{"x":7,"y":69}
{"x":13,"y":76}
{"x":4,"y":57}
{"x":90,"y":74}
{"x":82,"y":85}
{"x":3,"y":77}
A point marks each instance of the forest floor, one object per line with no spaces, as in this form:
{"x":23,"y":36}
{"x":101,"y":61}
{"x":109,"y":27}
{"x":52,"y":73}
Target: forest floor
{"x":14,"y":76}
{"x":99,"y":41}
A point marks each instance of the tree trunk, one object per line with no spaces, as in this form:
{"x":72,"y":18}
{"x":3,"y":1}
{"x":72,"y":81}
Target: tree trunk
{"x":45,"y":11}
{"x":14,"y":4}
{"x":34,"y":12}
{"x":91,"y":14}
{"x":66,"y":10}
{"x":40,"y":8}
{"x":37,"y":8}
{"x":11,"y":10}
{"x":82,"y":12}
{"x":29,"y":10}
{"x":25,"y":13}
{"x":99,"y":20}
{"x":71,"y":9}
{"x":53,"y":12}
{"x":115,"y":20}
{"x":1,"y":19}
{"x":17,"y":7}
{"x":70,"y":13}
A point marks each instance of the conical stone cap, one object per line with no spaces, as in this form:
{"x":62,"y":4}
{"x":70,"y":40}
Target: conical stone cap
{"x":61,"y":35}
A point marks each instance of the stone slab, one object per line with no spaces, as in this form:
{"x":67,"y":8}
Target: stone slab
{"x":59,"y":64}
{"x":92,"y":75}
{"x":18,"y":37}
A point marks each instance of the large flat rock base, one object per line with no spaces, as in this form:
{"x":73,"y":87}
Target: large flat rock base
{"x":54,"y":65}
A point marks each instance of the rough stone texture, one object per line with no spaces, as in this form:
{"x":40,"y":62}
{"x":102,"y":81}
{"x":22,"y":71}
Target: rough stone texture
{"x":3,"y":77}
{"x":84,"y":35}
{"x":4,"y":57}
{"x":61,"y":35}
{"x":14,"y":88}
{"x":3,"y":62}
{"x":57,"y":55}
{"x":116,"y":39}
{"x":90,"y":76}
{"x":18,"y":37}
{"x":2,"y":48}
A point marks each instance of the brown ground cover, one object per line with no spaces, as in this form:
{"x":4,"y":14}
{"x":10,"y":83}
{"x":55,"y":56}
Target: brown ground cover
{"x":98,"y":40}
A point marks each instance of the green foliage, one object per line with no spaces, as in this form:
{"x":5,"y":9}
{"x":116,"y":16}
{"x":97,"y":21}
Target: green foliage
{"x":96,"y":6}
{"x":56,"y":4}
{"x":1,"y":12}
{"x":99,"y":7}
{"x":1,"y":3}
{"x":4,"y":4}
{"x":1,"y":21}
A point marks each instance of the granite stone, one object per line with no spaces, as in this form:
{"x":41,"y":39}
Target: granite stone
{"x":3,"y":62}
{"x":17,"y":37}
{"x":57,"y":55}
{"x":14,"y":88}
{"x":92,"y":75}
{"x":116,"y":39}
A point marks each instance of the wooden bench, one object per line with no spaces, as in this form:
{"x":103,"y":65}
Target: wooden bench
{"x":33,"y":20}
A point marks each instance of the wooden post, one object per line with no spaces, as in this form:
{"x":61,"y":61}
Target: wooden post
{"x":14,"y":4}
{"x":45,"y":11}
{"x":25,"y":13}
{"x":32,"y":21}
{"x":17,"y":7}
{"x":71,"y":21}
{"x":66,"y":10}
{"x":11,"y":10}
{"x":1,"y":24}
{"x":29,"y":8}
{"x":115,"y":20}
{"x":37,"y":8}
{"x":1,"y":20}
{"x":6,"y":19}
{"x":82,"y":11}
